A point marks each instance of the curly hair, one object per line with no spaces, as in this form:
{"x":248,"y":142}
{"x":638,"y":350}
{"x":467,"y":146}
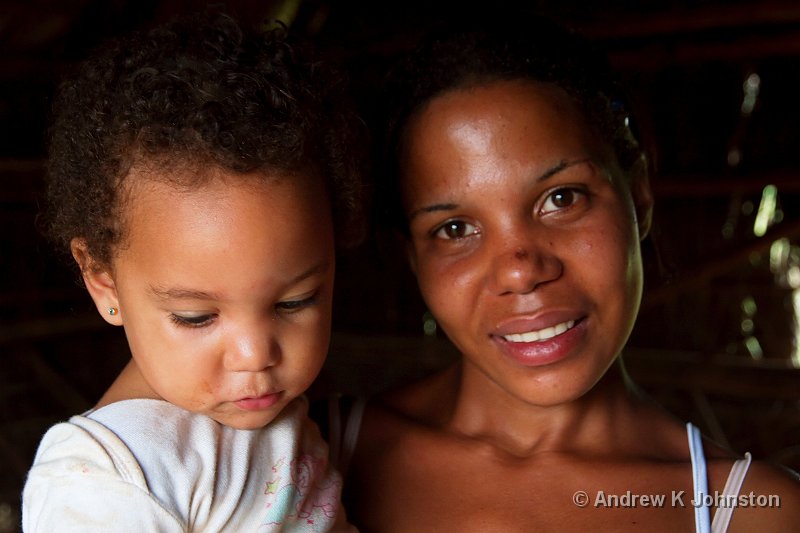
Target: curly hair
{"x":200,"y":90}
{"x":472,"y":52}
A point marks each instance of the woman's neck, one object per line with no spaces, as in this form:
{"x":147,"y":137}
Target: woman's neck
{"x":593,"y":423}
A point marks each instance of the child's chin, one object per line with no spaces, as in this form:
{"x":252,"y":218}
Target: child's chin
{"x":247,"y":420}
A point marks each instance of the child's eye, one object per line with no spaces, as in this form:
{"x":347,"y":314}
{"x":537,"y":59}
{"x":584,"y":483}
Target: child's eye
{"x":293,"y":306}
{"x":192,"y":321}
{"x":455,"y":229}
{"x":561,"y":199}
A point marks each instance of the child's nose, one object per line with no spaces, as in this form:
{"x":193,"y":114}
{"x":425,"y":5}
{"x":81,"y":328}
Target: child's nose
{"x":253,"y":350}
{"x":520,"y":265}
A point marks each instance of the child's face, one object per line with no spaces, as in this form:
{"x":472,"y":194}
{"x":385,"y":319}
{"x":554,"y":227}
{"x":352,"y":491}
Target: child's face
{"x":225,"y":292}
{"x":526,"y":248}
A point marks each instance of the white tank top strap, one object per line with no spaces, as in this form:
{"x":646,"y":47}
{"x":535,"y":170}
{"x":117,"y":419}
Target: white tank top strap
{"x":723,"y":513}
{"x":702,"y":517}
{"x":344,"y":427}
{"x":722,"y":516}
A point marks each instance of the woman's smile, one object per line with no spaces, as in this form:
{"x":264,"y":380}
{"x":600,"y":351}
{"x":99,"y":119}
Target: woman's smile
{"x":544,"y":346}
{"x":541,"y":334}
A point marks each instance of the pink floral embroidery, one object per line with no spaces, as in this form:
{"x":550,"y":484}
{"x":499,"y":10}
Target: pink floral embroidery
{"x":303,"y":492}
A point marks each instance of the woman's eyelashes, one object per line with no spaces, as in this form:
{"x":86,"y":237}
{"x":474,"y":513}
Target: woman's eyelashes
{"x":454,"y":229}
{"x":562,"y":198}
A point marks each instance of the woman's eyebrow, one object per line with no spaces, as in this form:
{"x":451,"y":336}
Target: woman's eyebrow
{"x":552,"y":171}
{"x":431,"y":209}
{"x":562,"y":165}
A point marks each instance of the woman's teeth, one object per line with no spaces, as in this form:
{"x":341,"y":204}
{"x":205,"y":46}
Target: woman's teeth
{"x":542,"y":334}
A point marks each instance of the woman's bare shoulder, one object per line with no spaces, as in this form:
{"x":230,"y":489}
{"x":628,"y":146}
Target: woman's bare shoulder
{"x":769,"y":500}
{"x":422,"y":402}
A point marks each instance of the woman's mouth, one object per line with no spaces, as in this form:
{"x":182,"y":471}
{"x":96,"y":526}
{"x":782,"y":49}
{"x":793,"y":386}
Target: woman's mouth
{"x":542,"y":334}
{"x":543,"y":346}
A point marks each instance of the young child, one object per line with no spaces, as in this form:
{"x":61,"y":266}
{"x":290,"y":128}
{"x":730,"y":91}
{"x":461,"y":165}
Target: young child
{"x":514,"y":174}
{"x":197,"y":173}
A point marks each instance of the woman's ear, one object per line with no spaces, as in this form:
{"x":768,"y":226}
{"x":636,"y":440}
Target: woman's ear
{"x":411,"y":254}
{"x":99,"y":283}
{"x":642,"y":198}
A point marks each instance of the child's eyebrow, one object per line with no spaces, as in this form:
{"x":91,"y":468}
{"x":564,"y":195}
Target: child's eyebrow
{"x":319,"y":268}
{"x":550,"y":172}
{"x":180,"y":293}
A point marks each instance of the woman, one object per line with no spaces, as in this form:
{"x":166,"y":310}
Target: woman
{"x":524,"y":196}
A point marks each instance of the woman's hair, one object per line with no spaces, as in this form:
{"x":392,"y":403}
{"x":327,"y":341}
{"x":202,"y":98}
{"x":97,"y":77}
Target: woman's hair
{"x":199,"y":91}
{"x":483,"y":51}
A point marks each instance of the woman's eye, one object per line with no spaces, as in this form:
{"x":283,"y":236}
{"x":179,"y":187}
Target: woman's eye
{"x":192,"y":321}
{"x":455,"y":229}
{"x":293,"y":306}
{"x":560,"y":199}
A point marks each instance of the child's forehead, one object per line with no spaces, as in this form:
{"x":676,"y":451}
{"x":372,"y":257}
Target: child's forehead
{"x":149,"y":190}
{"x":192,"y":178}
{"x":259,"y":233}
{"x":186,"y":206}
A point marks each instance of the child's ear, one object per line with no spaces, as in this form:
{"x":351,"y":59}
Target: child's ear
{"x":98,"y":282}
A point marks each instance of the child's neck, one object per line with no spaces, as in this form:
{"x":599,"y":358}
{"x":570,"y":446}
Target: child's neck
{"x":128,"y":385}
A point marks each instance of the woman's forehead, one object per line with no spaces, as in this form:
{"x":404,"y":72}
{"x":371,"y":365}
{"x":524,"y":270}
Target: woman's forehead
{"x":503,"y":116}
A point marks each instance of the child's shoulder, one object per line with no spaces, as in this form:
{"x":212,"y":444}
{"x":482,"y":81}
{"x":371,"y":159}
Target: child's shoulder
{"x":120,"y":441}
{"x":157,"y":429}
{"x":85,"y":446}
{"x":169,"y":465}
{"x":136,"y":439}
{"x":85,"y":474}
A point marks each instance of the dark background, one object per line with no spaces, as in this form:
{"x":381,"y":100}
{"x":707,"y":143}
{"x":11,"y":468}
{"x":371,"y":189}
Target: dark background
{"x":716,"y":342}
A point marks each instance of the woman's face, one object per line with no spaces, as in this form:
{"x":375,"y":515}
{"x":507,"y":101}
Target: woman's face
{"x":524,"y":238}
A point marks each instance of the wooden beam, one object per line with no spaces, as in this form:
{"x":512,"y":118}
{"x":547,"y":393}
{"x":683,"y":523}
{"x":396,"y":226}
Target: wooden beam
{"x":678,"y":21}
{"x":702,"y":274}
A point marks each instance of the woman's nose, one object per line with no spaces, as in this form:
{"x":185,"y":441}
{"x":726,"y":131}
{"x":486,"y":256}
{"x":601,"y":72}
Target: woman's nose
{"x":253,"y":350}
{"x":521,"y":265}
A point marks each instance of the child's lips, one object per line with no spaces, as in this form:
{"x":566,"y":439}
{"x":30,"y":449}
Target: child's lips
{"x":258,"y":403}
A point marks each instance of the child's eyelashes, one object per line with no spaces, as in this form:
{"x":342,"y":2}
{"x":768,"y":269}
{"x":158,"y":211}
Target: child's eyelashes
{"x":193,"y":321}
{"x":293,"y":306}
{"x":189,"y":320}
